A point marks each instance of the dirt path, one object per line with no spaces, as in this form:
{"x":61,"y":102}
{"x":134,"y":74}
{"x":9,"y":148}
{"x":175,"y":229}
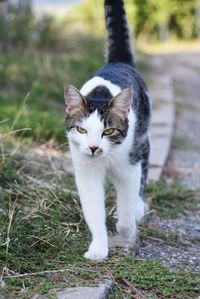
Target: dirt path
{"x":183,"y":164}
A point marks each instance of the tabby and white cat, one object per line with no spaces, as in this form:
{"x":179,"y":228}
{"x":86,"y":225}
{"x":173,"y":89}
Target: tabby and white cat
{"x":107,"y":128}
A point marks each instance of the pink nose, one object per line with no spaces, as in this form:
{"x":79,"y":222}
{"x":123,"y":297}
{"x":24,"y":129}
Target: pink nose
{"x":93,"y":148}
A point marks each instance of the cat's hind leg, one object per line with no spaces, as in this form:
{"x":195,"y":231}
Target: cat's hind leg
{"x":130,"y":206}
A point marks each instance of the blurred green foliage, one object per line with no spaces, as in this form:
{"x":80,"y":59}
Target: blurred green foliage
{"x":20,"y":27}
{"x":149,"y":19}
{"x":43,"y":75}
{"x":161,"y":19}
{"x":46,"y":53}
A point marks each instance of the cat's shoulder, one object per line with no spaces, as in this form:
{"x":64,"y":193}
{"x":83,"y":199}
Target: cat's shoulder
{"x":99,"y":82}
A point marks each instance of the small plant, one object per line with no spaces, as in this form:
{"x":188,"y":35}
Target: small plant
{"x":171,"y":200}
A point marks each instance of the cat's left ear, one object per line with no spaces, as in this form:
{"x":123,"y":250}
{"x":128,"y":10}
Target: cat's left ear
{"x":74,"y":101}
{"x":121,"y":103}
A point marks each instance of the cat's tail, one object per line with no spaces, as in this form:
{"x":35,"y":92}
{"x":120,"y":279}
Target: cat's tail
{"x":118,"y":40}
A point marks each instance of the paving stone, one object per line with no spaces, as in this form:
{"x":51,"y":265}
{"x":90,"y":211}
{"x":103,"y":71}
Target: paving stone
{"x":164,"y":96}
{"x":159,"y":150}
{"x":163,"y":117}
{"x":164,"y":114}
{"x":161,"y":130}
{"x":154,"y":174}
{"x":99,"y":292}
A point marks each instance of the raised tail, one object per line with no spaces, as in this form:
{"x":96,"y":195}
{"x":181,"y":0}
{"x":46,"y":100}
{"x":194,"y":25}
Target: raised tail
{"x":118,"y":40}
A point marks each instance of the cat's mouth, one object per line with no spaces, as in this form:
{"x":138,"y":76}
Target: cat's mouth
{"x":96,"y":154}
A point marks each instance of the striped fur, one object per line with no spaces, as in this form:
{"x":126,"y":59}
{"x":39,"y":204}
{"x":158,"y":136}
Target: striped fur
{"x":118,"y":41}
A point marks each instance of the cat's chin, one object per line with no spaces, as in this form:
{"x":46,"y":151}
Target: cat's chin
{"x":92,"y":156}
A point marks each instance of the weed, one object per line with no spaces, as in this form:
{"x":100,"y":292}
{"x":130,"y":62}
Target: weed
{"x":171,"y":200}
{"x":148,"y":232}
{"x":179,"y":142}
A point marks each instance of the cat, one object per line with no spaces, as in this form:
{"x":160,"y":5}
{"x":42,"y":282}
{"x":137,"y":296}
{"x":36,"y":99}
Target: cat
{"x":107,"y":127}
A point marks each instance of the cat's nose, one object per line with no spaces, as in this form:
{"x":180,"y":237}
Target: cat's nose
{"x":93,"y":148}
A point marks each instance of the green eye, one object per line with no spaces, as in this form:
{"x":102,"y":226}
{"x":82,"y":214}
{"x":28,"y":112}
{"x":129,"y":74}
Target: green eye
{"x":81,"y":130}
{"x":108,"y":132}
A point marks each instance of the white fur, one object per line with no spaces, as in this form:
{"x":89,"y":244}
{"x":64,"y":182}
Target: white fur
{"x":91,"y":170}
{"x":98,"y":81}
{"x":90,"y":173}
{"x":94,"y":128}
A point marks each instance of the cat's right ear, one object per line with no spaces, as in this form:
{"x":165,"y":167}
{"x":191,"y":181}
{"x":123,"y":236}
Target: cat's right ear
{"x":74,"y":101}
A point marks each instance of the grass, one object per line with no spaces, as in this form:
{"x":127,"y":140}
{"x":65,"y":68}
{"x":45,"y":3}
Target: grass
{"x":148,"y":232}
{"x":42,"y":232}
{"x":43,"y":238}
{"x":32,"y":86}
{"x":37,"y":121}
{"x":181,"y":143}
{"x":131,"y":277}
{"x":42,"y":76}
{"x":171,"y":200}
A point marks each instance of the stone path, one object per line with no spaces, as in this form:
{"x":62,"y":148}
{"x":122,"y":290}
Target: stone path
{"x":185,"y":156}
{"x":99,"y":292}
{"x":163,"y":116}
{"x":183,"y":164}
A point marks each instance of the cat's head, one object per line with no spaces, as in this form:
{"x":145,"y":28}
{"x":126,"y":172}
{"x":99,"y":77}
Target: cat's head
{"x":93,"y":126}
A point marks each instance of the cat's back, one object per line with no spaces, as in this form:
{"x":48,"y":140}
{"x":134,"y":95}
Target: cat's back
{"x":122,"y":75}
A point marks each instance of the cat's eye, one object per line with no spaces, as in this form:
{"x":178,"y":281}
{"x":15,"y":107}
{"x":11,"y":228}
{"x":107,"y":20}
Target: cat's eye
{"x":81,"y":130}
{"x":108,"y":132}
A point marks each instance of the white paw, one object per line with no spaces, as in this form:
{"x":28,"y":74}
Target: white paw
{"x":139,"y":209}
{"x":95,"y":256}
{"x":127,"y":231}
{"x":96,"y":252}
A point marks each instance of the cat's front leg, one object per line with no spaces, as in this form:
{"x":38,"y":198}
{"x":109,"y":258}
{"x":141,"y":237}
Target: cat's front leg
{"x":91,"y":191}
{"x":130,"y":206}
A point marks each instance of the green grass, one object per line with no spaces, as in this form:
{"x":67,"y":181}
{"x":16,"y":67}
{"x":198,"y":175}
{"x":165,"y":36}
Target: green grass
{"x":131,"y":277}
{"x":38,"y":120}
{"x":147,"y":232}
{"x":43,"y":238}
{"x":43,"y":75}
{"x":184,"y":143}
{"x":171,"y":200}
{"x":46,"y":72}
{"x":32,"y":87}
{"x":181,"y":143}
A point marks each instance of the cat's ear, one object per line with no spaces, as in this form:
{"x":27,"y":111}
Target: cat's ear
{"x":74,"y":101}
{"x":121,"y":103}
